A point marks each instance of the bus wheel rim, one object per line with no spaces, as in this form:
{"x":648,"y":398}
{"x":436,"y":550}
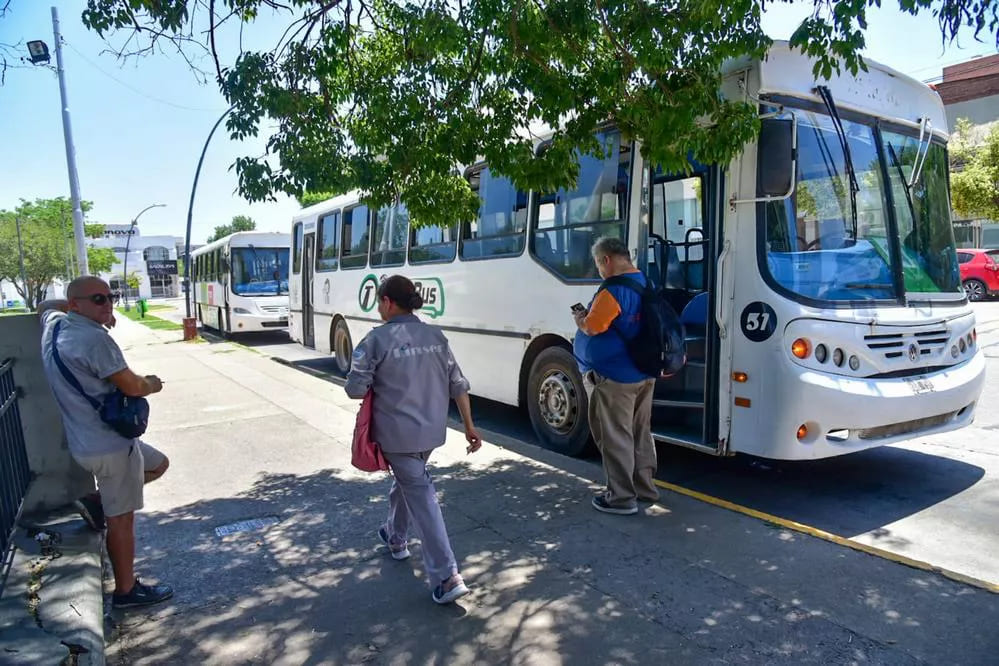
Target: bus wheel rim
{"x":557,"y":401}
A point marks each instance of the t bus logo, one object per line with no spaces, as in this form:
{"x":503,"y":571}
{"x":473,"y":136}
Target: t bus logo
{"x":431,"y":289}
{"x":367,"y":297}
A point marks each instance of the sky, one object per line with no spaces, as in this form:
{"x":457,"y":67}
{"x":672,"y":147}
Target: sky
{"x":139,"y":126}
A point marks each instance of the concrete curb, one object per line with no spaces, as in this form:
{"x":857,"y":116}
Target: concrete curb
{"x":53,"y":603}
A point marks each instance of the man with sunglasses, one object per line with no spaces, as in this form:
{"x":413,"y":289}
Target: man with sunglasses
{"x":120,"y":465}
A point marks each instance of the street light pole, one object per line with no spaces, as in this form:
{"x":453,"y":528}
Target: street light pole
{"x":67,"y":130}
{"x":190,"y":211}
{"x":128,"y":242}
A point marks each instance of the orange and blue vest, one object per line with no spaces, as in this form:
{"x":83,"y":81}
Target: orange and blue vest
{"x":613,"y":316}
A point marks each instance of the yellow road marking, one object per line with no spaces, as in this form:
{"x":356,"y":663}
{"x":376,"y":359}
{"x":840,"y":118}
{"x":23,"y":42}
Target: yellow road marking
{"x":830,"y":537}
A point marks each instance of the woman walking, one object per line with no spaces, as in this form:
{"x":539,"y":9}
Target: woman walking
{"x":412,"y":372}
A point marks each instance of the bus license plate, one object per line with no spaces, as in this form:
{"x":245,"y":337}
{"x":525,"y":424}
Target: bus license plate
{"x":920,"y":385}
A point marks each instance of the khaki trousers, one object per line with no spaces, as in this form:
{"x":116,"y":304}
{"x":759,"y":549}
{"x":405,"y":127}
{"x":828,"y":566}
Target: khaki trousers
{"x":621,"y":423}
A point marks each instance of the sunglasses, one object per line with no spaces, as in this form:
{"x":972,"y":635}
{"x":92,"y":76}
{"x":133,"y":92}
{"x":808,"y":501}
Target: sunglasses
{"x":99,"y":299}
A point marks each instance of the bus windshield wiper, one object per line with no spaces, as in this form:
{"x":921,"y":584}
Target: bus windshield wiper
{"x":905,"y":185}
{"x":851,"y":173}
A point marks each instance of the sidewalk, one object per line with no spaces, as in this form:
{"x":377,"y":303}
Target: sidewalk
{"x":553,"y":581}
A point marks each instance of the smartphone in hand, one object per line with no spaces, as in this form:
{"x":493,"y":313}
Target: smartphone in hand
{"x":578,"y":307}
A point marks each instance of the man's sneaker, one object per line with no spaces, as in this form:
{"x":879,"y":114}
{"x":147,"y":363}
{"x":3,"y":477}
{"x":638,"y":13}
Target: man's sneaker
{"x":91,"y":511}
{"x":600,"y":504}
{"x":456,"y":591}
{"x":142,"y":595}
{"x":397,"y":552}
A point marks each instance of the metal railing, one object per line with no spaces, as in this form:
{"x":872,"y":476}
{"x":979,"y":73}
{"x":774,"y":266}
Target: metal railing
{"x":14,"y":471}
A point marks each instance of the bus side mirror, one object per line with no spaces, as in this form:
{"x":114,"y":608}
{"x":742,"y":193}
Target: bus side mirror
{"x":776,"y":156}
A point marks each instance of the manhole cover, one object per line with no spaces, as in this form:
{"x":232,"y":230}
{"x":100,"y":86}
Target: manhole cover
{"x":246,"y":525}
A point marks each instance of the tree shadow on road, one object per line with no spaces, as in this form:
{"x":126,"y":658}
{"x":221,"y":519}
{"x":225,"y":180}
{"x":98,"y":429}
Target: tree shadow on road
{"x":553,"y":582}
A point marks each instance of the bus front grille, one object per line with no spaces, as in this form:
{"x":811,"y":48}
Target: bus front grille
{"x":896,"y":345}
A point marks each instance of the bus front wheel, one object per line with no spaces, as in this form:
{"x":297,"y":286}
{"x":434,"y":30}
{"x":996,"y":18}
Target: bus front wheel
{"x":556,"y":402}
{"x":343,"y":348}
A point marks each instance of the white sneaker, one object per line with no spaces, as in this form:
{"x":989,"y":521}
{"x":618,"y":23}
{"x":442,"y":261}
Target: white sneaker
{"x":459,"y":590}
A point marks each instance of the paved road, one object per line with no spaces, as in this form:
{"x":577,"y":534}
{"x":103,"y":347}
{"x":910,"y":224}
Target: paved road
{"x":933,"y":499}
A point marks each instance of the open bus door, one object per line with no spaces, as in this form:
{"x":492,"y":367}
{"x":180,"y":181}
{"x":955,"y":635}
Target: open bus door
{"x":308,"y":266}
{"x":683,"y":238}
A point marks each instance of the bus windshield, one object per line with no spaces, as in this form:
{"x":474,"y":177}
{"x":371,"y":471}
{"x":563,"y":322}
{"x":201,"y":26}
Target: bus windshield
{"x":259,"y":271}
{"x":831,"y":240}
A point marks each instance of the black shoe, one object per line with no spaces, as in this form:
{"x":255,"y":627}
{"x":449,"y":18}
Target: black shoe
{"x":142,"y":595}
{"x":600,"y":504}
{"x":91,"y":511}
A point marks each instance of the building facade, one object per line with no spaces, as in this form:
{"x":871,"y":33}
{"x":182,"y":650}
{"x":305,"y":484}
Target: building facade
{"x":971,"y":90}
{"x":153,"y":259}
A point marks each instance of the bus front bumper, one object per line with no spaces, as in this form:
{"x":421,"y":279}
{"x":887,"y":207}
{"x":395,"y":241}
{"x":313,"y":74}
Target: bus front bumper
{"x":825,"y":415}
{"x":243,"y":323}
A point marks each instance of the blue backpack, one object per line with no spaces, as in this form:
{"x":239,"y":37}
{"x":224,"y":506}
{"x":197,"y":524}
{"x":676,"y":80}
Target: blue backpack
{"x":126,"y":415}
{"x":658,"y":349}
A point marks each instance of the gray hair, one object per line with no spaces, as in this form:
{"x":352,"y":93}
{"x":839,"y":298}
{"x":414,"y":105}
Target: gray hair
{"x":610,"y":246}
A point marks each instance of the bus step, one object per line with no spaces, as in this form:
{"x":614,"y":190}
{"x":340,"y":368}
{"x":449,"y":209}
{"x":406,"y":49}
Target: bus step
{"x":683,"y":404}
{"x":684,"y":440}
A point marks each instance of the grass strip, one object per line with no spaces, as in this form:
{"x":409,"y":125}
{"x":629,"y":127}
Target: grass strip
{"x":151,"y":321}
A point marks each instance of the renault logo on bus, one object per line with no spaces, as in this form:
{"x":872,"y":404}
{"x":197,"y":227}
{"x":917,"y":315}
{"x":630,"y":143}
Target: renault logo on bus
{"x":913,"y":353}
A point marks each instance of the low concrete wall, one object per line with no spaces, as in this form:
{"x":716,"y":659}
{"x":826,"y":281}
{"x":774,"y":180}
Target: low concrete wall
{"x":58,"y":480}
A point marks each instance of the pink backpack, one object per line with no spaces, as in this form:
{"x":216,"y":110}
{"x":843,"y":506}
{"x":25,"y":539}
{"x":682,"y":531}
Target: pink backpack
{"x":365,"y":454}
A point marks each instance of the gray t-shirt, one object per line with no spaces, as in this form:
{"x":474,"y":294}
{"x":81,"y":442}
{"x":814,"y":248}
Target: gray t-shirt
{"x":92,"y":356}
{"x":410,"y":368}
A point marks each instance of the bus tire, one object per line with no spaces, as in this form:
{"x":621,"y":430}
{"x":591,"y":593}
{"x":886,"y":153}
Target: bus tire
{"x":975,"y":289}
{"x":343,"y":347}
{"x":557,"y":402}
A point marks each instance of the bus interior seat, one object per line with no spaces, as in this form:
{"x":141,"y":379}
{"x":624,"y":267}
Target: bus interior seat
{"x":695,"y":323}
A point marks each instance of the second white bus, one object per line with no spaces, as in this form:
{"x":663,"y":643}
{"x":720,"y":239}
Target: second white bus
{"x":241,"y":282}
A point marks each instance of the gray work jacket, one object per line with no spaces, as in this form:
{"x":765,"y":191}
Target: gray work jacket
{"x":412,"y":371}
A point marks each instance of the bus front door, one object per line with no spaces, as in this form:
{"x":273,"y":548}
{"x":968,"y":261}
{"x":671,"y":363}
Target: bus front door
{"x":308,"y":264}
{"x":682,"y":242}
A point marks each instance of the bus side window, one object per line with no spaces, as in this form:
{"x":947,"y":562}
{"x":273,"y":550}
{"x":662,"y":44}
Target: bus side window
{"x":499,"y":231}
{"x":354,"y":248}
{"x":328,"y":252}
{"x":388,"y":246}
{"x":296,"y":249}
{"x":567,"y":223}
{"x":433,"y":244}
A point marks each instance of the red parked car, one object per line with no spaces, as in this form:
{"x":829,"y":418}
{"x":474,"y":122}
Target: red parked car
{"x":979,"y":272}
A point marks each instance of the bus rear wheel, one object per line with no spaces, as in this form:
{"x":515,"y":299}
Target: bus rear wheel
{"x":557,"y":402}
{"x":343,"y":347}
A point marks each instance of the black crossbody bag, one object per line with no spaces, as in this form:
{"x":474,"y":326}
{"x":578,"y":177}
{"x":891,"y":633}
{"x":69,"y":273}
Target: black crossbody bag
{"x":126,"y":415}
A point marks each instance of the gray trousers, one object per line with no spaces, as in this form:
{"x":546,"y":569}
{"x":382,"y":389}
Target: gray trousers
{"x":620,"y":420}
{"x":413,"y":504}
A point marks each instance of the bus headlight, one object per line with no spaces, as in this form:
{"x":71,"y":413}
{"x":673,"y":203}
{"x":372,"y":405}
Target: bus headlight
{"x":838,"y":357}
{"x":243,"y":311}
{"x":953,"y":351}
{"x":854,"y":363}
{"x":821,"y":353}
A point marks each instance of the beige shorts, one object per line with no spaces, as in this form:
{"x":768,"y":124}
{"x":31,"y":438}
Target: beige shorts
{"x":121,"y":476}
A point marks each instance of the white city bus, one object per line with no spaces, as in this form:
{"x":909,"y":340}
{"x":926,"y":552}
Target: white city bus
{"x":815,"y":274}
{"x":241,"y":282}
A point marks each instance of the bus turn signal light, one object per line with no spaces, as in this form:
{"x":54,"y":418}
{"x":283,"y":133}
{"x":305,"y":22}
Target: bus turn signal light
{"x":800,"y":348}
{"x":802,"y":432}
{"x":740,"y":377}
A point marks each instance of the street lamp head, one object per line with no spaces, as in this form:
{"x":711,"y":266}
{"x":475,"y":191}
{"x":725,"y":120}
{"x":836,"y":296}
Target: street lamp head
{"x":38,"y":51}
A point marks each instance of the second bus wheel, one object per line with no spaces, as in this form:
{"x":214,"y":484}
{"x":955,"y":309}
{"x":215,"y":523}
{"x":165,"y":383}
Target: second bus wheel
{"x":343,"y":347}
{"x":557,"y":403}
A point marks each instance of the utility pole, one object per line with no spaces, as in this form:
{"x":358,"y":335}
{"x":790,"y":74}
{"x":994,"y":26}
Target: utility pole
{"x":74,"y":180}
